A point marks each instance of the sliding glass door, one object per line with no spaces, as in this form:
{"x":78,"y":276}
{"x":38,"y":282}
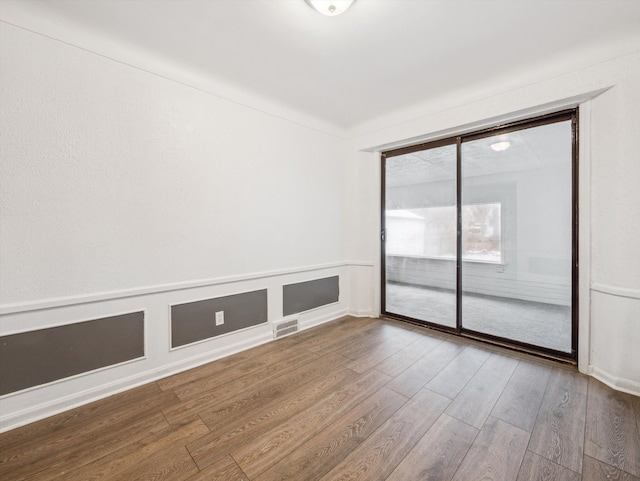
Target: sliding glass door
{"x":517,"y":224}
{"x":479,"y":234}
{"x":420,"y":234}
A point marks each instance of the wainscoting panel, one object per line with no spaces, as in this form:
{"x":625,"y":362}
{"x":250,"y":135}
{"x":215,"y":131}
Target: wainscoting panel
{"x":38,"y":357}
{"x":303,"y":296}
{"x":165,"y":315}
{"x":195,"y":321}
{"x":615,"y":332}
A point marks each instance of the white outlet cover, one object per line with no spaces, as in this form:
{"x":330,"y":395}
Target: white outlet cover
{"x":219,"y":318}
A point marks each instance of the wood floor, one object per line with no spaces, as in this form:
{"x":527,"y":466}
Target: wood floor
{"x":357,"y":399}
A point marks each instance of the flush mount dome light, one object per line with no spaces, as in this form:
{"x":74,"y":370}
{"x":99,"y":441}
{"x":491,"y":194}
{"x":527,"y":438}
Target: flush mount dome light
{"x":330,"y":8}
{"x":500,"y":146}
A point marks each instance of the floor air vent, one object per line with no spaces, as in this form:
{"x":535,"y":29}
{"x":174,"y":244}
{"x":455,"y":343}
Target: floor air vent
{"x":284,"y":328}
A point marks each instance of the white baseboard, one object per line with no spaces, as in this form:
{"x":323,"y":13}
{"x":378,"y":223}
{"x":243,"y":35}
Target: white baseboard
{"x":56,"y":406}
{"x":321,"y":319}
{"x":362,"y":313}
{"x":50,"y":408}
{"x":614,"y":382}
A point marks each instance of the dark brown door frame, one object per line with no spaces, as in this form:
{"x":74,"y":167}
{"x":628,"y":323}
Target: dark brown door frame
{"x":459,"y":330}
{"x":384,"y":156}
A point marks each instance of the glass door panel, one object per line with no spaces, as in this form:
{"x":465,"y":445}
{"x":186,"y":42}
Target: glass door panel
{"x":517,"y":245}
{"x":419,"y":223}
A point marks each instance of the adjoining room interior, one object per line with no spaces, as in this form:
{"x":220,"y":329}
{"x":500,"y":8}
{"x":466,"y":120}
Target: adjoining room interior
{"x":544,"y":324}
{"x":319,"y":240}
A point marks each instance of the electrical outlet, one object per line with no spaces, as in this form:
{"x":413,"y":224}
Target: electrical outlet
{"x":219,"y":318}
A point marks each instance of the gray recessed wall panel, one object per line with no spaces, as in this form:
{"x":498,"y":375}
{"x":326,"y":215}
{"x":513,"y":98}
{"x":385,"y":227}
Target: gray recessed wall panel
{"x":195,"y":321}
{"x":37,"y":357}
{"x":303,"y":296}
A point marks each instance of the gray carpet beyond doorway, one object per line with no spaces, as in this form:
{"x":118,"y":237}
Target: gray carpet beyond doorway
{"x":545,"y":325}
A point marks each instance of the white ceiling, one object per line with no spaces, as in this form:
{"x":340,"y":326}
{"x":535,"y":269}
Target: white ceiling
{"x":378,"y":57}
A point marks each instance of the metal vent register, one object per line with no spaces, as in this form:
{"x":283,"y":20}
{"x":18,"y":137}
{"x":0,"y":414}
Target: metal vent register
{"x":284,"y":328}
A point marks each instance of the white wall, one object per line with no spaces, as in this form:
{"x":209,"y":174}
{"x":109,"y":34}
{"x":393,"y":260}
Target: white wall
{"x":122,"y":190}
{"x":363,"y":198}
{"x":609,"y":101}
{"x":113,"y":178}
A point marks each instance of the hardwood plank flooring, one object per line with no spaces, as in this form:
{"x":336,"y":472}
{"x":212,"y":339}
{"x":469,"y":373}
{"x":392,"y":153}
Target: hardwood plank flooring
{"x":412,"y":379}
{"x":379,"y":353}
{"x":476,"y":400}
{"x":246,"y":361}
{"x":77,"y":456}
{"x":558,"y":433}
{"x":360,"y":399}
{"x":328,"y":448}
{"x":257,"y":454}
{"x":263,"y":393}
{"x":496,"y":454}
{"x":594,"y":470}
{"x":78,"y":442}
{"x":294,"y":370}
{"x":225,"y":469}
{"x":387,"y":338}
{"x":383,"y":450}
{"x":439,"y":453}
{"x":230,"y":435}
{"x":612,"y":432}
{"x":259,"y":367}
{"x":536,"y":468}
{"x":450,"y":381}
{"x":163,"y":451}
{"x":520,"y":401}
{"x":401,"y":360}
{"x":92,"y":415}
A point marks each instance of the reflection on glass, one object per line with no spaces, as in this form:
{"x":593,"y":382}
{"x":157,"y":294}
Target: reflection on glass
{"x":516,"y":236}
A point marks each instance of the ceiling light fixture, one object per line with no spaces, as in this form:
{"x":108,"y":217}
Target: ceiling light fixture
{"x":500,"y":146}
{"x":330,"y":8}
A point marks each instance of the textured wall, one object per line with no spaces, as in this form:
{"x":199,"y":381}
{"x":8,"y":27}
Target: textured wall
{"x":114,"y":178}
{"x":615,"y":145}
